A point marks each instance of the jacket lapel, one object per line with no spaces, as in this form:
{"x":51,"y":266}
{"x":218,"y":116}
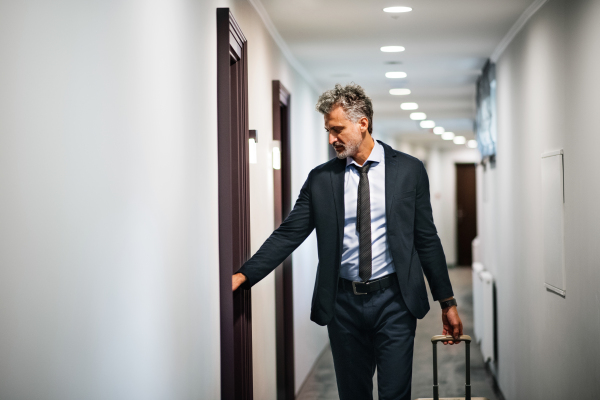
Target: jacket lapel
{"x":337,"y":184}
{"x":391,"y":170}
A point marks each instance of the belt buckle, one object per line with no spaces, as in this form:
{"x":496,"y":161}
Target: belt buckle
{"x":354,"y":287}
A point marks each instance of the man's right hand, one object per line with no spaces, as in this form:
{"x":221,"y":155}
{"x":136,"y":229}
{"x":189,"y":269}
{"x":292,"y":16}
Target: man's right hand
{"x":237,"y":280}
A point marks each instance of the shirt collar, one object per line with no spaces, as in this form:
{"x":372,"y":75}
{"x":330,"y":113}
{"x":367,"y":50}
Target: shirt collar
{"x":377,"y":155}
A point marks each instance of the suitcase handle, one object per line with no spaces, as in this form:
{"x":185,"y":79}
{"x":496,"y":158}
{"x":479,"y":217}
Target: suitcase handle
{"x":444,"y":338}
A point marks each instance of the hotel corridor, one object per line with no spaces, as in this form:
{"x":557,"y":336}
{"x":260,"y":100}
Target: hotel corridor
{"x":148,"y":149}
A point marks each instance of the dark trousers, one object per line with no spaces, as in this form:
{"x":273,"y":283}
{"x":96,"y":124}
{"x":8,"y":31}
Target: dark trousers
{"x":369,"y":330}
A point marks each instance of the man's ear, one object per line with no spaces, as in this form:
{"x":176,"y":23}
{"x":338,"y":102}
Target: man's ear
{"x":364,"y":124}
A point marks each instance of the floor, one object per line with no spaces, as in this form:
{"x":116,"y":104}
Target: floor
{"x":321,"y":385}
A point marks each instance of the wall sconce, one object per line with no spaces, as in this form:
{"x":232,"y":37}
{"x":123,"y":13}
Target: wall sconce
{"x":252,"y":146}
{"x":276,"y":154}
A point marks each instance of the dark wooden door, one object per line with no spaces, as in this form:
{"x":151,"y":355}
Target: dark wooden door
{"x":466,"y":211}
{"x":234,"y":206}
{"x":284,"y":308}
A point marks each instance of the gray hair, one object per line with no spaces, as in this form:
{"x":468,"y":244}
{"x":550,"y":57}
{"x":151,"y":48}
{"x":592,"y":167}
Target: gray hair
{"x":353,"y":100}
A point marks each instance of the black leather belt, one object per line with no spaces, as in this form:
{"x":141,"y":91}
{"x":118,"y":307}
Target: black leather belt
{"x":369,"y":286}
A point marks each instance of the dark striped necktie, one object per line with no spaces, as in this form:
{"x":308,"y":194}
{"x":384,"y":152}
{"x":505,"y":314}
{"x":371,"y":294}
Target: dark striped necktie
{"x":363,"y":223}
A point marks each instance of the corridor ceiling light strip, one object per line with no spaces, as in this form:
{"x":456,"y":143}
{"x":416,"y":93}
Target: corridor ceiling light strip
{"x":448,"y":135}
{"x":399,"y":92}
{"x":397,"y":9}
{"x":460,"y":140}
{"x":418,"y":116}
{"x":392,"y":49}
{"x":427,"y":124}
{"x":409,"y":106}
{"x":438,"y":130}
{"x":472,"y":144}
{"x":395,"y":75}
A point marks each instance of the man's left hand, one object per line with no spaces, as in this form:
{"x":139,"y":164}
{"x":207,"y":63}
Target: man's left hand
{"x":452,"y":324}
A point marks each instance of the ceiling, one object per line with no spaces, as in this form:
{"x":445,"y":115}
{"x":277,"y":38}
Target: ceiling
{"x":447,"y":43}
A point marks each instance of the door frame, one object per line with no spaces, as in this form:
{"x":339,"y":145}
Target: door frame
{"x":284,"y":306}
{"x":234,"y":206}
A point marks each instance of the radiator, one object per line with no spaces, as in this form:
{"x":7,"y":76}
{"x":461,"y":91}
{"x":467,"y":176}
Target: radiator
{"x":477,"y":301}
{"x":488,"y":336}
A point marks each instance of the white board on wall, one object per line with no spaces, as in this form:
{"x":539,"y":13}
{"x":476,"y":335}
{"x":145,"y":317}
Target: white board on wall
{"x":553,"y":199}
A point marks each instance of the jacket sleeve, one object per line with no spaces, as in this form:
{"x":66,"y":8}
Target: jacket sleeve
{"x":427,"y":242}
{"x":283,"y":241}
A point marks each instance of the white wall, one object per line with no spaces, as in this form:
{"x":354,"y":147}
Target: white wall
{"x":547,"y":99}
{"x":309,"y":149}
{"x":108,"y":257}
{"x":108,"y":205}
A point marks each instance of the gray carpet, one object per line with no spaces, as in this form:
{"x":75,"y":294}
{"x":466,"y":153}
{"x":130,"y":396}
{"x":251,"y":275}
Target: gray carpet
{"x":321,"y":385}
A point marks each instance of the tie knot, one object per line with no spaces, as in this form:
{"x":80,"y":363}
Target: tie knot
{"x":364,"y":169}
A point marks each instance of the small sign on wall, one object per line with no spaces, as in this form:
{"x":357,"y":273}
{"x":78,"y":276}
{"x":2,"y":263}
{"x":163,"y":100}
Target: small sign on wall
{"x":553,"y":200}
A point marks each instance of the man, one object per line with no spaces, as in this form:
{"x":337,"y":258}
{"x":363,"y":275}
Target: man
{"x":371,"y":209}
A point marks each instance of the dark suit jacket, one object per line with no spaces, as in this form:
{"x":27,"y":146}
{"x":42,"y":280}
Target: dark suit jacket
{"x":411,"y":235}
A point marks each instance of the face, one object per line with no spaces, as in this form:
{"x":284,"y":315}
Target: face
{"x":344,"y":135}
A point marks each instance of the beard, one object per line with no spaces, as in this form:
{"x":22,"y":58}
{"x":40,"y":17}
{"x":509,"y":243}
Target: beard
{"x":350,"y":148}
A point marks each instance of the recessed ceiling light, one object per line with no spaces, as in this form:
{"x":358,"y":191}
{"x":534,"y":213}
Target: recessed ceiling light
{"x":392,"y":49}
{"x":448,"y":135}
{"x":409,"y":106}
{"x":397,"y":9}
{"x":460,"y":140}
{"x":399,"y":92}
{"x":418,"y":116}
{"x":438,"y":130}
{"x":472,"y":144}
{"x":395,"y":74}
{"x":427,"y":124}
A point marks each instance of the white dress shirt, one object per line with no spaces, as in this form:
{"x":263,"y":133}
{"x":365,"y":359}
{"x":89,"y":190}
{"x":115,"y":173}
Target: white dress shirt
{"x":382,"y":260}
